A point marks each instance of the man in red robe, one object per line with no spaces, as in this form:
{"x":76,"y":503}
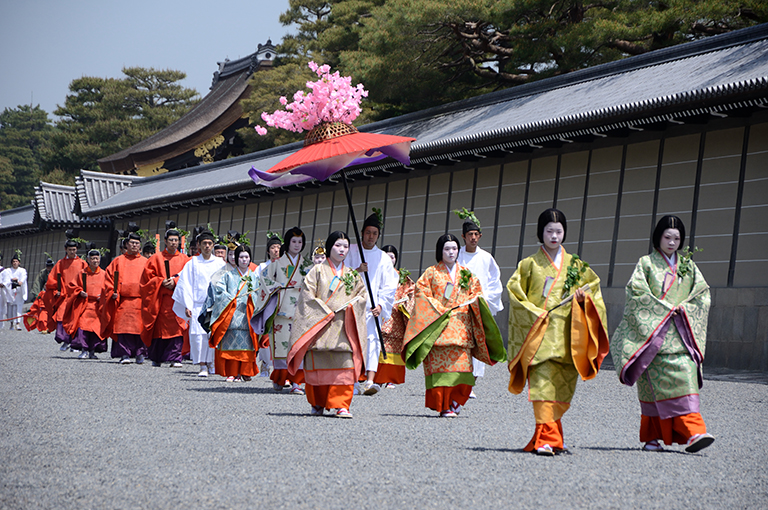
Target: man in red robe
{"x":60,"y":285}
{"x":82,"y":321}
{"x":162,"y":327}
{"x":121,"y":307}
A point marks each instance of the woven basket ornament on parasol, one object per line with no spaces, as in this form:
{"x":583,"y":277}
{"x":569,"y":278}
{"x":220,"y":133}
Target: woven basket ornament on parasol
{"x":327,"y":131}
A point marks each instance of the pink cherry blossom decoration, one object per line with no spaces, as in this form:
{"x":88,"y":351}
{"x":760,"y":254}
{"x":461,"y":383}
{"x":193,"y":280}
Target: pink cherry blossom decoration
{"x":332,"y":98}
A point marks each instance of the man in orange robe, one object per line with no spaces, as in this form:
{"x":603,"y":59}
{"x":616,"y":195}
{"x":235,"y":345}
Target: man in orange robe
{"x":61,"y":283}
{"x":121,"y":307}
{"x":37,"y":317}
{"x":81,"y":319}
{"x":163,"y":328}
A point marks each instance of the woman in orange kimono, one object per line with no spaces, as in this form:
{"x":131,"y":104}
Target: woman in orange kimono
{"x":391,"y":370}
{"x":82,"y":321}
{"x":451,"y":324}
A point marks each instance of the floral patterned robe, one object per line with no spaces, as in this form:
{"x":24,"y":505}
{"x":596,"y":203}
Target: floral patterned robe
{"x":445,"y":334}
{"x":659,"y":346}
{"x":394,"y":328}
{"x":282,"y":280}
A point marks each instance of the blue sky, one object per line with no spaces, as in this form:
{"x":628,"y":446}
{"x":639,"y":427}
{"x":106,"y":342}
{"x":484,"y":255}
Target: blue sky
{"x":45,"y":44}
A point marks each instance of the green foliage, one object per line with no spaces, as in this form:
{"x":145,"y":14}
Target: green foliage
{"x":24,"y":131}
{"x":379,"y":216}
{"x":349,"y":280}
{"x":271,"y":235}
{"x":103,"y":116}
{"x":412,"y":54}
{"x":465,"y":275}
{"x":576,"y":268}
{"x":465,"y":214}
{"x":684,"y":262}
{"x":403,"y":273}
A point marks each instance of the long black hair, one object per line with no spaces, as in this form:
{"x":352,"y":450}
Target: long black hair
{"x":551,"y":216}
{"x":445,"y":238}
{"x":668,"y":221}
{"x":335,"y":236}
{"x":391,"y":249}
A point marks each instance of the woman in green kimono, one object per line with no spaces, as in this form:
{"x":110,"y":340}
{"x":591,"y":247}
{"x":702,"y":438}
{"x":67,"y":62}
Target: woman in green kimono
{"x":553,"y":338}
{"x":661,"y":340}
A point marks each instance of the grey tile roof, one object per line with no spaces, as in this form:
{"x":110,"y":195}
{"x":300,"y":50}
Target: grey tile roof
{"x":92,"y":188}
{"x":682,"y":78}
{"x":54,"y":203}
{"x":699,"y":72}
{"x":20,"y":218}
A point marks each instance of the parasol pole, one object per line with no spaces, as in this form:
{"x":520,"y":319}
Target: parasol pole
{"x":362,"y":259}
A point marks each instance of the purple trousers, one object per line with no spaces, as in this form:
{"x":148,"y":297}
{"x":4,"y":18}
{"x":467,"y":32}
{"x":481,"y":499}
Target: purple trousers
{"x":88,"y":341}
{"x":62,"y":336}
{"x":128,"y":345}
{"x":166,"y":349}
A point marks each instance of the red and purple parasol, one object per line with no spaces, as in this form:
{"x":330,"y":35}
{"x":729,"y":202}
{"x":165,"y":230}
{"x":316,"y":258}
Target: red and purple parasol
{"x":332,"y":143}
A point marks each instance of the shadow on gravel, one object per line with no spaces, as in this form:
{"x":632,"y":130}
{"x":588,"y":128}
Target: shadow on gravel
{"x":400,"y":415}
{"x":483,"y":449}
{"x":630,"y":449}
{"x":235,"y":389}
{"x":301,"y":415}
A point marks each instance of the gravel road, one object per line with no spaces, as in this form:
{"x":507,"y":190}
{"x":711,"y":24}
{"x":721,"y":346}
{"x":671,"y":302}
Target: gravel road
{"x":86,"y":434}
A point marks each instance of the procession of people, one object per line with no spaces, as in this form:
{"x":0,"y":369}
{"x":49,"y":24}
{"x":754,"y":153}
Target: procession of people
{"x":344,"y":320}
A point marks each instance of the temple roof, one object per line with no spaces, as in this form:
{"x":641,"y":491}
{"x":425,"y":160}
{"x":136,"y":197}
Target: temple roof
{"x":54,"y":204}
{"x":92,"y":188}
{"x":218,"y":110}
{"x":705,"y":79}
{"x":54,"y":207}
{"x":18,"y":220}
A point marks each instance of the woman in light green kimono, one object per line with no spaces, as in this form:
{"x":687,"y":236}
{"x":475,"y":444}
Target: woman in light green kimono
{"x":232,"y":335}
{"x":661,"y":340}
{"x":553,"y":338}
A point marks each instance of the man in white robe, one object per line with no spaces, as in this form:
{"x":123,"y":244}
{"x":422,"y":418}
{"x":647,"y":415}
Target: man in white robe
{"x":3,"y":306}
{"x":189,"y":297}
{"x":482,"y":265}
{"x":384,"y":279}
{"x":14,"y":285}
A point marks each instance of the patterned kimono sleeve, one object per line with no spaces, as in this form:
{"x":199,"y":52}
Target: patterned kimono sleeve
{"x":522,"y":312}
{"x":224,"y":291}
{"x":269,"y":286}
{"x":410,"y":291}
{"x":697,"y":308}
{"x":643,"y":313}
{"x":639,"y":287}
{"x":426,"y":291}
{"x":518,"y":287}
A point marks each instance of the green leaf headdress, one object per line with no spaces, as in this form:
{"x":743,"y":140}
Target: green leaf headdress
{"x":470,"y":220}
{"x":271,"y":235}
